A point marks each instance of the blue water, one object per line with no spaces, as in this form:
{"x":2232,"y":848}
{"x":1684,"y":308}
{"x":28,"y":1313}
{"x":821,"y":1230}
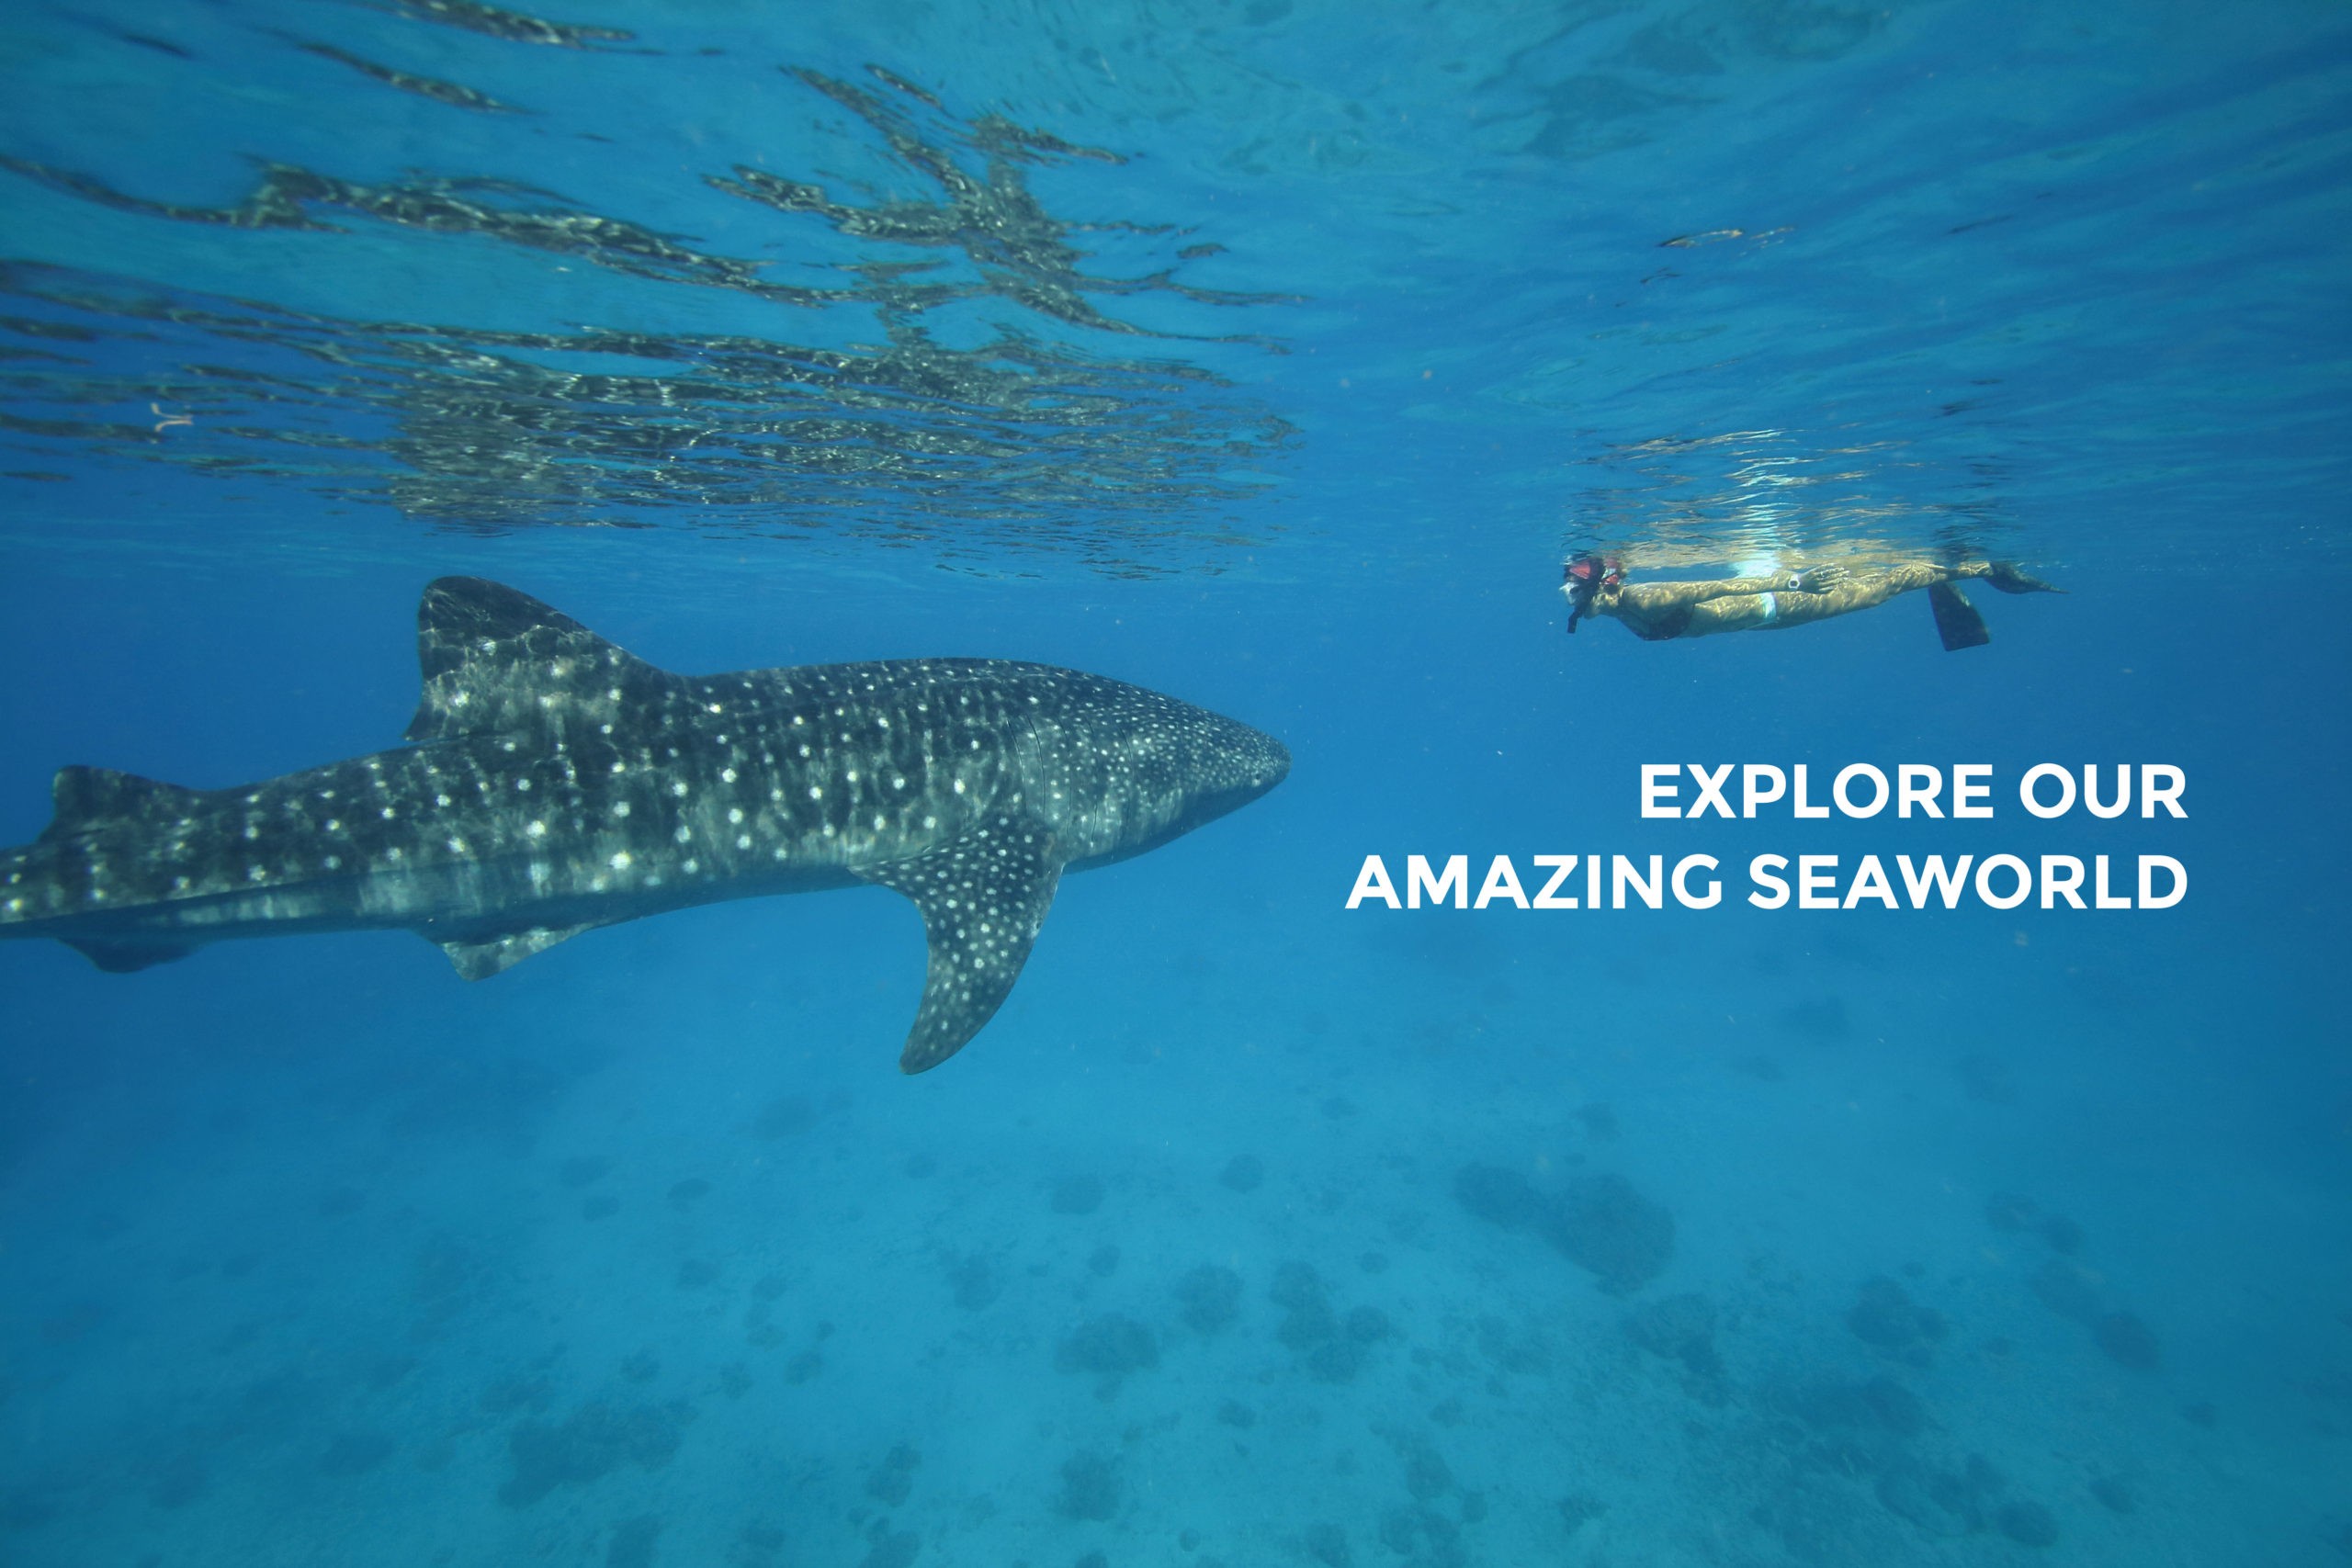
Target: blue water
{"x":1270,"y":355}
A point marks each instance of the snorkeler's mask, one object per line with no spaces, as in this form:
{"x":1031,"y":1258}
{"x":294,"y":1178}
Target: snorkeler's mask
{"x":1585,"y":575}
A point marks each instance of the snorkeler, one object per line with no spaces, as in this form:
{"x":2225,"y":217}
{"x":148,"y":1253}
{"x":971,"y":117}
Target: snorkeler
{"x":1596,"y":585}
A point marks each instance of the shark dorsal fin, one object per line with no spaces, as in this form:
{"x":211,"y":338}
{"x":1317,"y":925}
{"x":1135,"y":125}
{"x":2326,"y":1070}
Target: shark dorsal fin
{"x":983,"y":895}
{"x":87,"y":796}
{"x":495,"y":660}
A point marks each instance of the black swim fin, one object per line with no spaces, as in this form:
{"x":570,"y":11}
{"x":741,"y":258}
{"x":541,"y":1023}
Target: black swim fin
{"x":2010,"y":578}
{"x":1957,"y":621}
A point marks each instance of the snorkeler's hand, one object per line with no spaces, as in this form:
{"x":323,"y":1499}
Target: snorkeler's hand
{"x":1815,"y":579}
{"x":2005,"y":576}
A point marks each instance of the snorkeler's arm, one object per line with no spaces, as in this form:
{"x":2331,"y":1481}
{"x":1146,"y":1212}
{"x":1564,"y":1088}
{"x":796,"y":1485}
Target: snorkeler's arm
{"x":1660,"y":611}
{"x":1653,"y":597}
{"x":1777,"y":607}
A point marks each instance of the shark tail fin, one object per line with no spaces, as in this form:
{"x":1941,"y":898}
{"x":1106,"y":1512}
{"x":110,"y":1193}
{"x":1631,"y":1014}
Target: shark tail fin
{"x":494,"y":659}
{"x":84,"y":798}
{"x":1957,"y":621}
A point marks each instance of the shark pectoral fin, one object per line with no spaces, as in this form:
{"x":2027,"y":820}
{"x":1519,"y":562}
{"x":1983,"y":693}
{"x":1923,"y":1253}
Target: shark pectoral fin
{"x":1957,"y":622}
{"x":982,"y":898}
{"x":480,"y":960}
{"x":123,"y":957}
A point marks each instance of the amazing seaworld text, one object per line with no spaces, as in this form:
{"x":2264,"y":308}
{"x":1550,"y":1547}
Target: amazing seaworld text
{"x":1861,"y":790}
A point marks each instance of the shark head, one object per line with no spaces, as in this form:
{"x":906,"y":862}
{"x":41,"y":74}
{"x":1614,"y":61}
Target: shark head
{"x":1231,"y":764}
{"x":1195,"y":767}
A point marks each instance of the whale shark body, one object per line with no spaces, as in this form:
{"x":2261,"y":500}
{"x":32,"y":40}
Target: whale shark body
{"x":557,"y":784}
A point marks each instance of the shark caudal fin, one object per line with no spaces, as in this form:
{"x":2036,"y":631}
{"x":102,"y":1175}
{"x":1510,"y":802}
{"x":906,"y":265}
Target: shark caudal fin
{"x":1957,"y":621}
{"x":982,"y":896}
{"x":495,"y":660}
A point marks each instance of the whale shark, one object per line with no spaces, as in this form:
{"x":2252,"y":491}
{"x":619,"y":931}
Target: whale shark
{"x":555,"y":784}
